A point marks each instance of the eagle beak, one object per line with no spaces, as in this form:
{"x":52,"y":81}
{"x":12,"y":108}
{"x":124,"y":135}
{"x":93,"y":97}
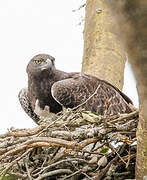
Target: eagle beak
{"x":44,"y":68}
{"x":48,"y":65}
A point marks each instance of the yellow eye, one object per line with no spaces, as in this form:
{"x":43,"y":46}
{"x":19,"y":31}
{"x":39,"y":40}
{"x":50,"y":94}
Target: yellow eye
{"x":37,"y":61}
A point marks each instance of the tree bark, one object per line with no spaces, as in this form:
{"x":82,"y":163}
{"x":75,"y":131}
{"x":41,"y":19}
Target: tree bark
{"x":104,"y":56}
{"x":132,"y":18}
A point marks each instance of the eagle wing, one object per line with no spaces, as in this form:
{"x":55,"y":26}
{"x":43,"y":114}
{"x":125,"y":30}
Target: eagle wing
{"x":26,"y":104}
{"x":91,"y":94}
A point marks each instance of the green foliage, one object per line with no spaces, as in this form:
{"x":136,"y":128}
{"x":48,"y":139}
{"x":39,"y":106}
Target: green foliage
{"x":9,"y":177}
{"x":104,"y":150}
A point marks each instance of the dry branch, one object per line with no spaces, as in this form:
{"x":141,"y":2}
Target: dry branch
{"x":71,"y":146}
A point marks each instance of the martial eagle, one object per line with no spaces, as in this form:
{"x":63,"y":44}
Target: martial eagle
{"x":55,"y":89}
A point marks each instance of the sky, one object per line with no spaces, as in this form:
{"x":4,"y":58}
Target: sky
{"x":30,"y":27}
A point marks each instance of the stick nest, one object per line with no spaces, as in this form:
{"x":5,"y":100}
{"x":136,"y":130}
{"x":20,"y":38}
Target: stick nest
{"x":71,"y":145}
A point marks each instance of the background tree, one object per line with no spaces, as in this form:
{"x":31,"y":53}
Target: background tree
{"x":132,"y":19}
{"x":104,"y":56}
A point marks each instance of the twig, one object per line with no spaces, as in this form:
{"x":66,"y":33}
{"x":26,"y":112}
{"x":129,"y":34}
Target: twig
{"x":87,"y":142}
{"x":28,"y":172}
{"x":83,"y":5}
{"x":129,"y":156}
{"x":126,"y":116}
{"x":128,"y":162}
{"x":23,"y":132}
{"x":55,"y":172}
{"x":71,"y":175}
{"x":87,"y":176}
{"x":121,"y":174}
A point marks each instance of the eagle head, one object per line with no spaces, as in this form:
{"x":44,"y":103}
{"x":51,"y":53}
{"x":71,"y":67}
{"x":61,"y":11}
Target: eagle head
{"x":41,"y":63}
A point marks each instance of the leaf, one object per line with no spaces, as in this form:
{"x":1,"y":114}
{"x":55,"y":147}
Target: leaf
{"x":89,"y":116}
{"x":93,"y":160}
{"x":104,"y":150}
{"x":102,"y":161}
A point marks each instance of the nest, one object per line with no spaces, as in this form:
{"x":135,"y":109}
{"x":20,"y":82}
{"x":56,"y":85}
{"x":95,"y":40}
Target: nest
{"x":71,"y":145}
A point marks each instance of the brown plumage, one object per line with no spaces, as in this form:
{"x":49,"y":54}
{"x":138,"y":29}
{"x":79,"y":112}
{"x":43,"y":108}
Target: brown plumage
{"x":55,"y":88}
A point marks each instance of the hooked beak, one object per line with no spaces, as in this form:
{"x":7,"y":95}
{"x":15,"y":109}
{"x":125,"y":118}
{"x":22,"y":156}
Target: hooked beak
{"x":48,"y":65}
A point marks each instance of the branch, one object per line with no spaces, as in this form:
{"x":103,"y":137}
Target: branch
{"x":83,"y":5}
{"x":69,"y":146}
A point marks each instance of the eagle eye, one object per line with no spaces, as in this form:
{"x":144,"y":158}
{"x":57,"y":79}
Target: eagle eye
{"x":38,"y":61}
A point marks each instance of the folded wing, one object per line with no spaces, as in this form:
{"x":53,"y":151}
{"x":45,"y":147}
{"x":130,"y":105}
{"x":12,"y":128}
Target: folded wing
{"x":90,"y":93}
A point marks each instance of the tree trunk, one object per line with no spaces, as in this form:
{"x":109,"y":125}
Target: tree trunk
{"x":132,"y":18}
{"x":104,"y":56}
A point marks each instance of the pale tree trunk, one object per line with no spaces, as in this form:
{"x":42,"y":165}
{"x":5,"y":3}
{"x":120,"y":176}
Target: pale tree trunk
{"x":104,"y":56}
{"x":132,"y":18}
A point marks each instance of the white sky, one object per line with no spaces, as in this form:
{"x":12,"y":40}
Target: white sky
{"x":30,"y":27}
